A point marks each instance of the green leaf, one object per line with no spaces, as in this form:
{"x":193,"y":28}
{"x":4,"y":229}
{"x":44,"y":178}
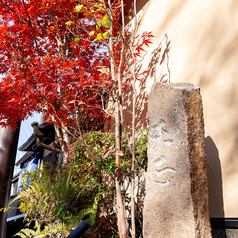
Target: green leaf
{"x":91,"y":33}
{"x":103,"y":36}
{"x":78,"y":8}
{"x":106,"y":22}
{"x":77,"y":39}
{"x":24,"y":233}
{"x":99,"y":7}
{"x":99,"y":37}
{"x":68,"y":23}
{"x":106,"y":34}
{"x":36,"y":224}
{"x":21,"y":234}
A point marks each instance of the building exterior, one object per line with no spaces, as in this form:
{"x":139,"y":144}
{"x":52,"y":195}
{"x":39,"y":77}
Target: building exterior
{"x":35,"y":156}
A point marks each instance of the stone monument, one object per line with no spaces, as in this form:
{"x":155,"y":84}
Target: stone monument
{"x":176,"y":201}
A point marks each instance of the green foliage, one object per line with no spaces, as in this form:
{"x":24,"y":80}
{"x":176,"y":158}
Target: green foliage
{"x":24,"y":233}
{"x":55,"y":200}
{"x":60,"y":229}
{"x":92,"y":157}
{"x":60,"y":199}
{"x":141,"y":149}
{"x":55,"y":230}
{"x":95,"y":152}
{"x":105,"y":22}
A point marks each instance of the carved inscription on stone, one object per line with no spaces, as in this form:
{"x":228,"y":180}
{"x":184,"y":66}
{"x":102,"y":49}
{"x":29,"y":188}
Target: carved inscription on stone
{"x":176,"y":201}
{"x":159,"y":174}
{"x":159,"y":131}
{"x":162,"y":175}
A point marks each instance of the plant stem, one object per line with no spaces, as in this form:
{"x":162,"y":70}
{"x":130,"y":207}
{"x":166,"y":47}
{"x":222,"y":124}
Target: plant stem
{"x":118,"y":132}
{"x":133,"y":128}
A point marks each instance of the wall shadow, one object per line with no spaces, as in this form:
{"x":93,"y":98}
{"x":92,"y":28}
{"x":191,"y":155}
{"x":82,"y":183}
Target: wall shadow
{"x":216,"y":205}
{"x":158,"y":57}
{"x":215,"y":191}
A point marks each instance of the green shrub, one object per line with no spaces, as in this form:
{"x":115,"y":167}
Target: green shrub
{"x":64,"y":196}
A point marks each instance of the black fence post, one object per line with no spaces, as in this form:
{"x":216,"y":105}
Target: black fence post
{"x":80,"y":230}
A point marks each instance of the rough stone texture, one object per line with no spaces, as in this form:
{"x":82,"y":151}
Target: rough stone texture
{"x":176,"y":202}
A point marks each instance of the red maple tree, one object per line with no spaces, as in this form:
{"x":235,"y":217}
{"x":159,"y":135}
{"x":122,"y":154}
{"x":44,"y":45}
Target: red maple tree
{"x":48,"y":64}
{"x":66,"y":58}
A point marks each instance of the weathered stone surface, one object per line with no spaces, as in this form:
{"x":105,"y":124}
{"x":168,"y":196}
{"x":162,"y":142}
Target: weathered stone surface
{"x":176,"y":202}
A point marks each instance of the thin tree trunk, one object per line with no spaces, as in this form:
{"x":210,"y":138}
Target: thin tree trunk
{"x":62,"y":135}
{"x":133,"y":165}
{"x":120,"y":211}
{"x":120,"y":206}
{"x":133,"y":129}
{"x":118,"y":132}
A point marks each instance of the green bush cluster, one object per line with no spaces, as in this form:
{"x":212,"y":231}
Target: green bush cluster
{"x":84,"y":188}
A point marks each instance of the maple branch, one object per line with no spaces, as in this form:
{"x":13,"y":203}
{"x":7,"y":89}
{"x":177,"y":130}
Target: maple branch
{"x":75,"y":35}
{"x":98,"y":27}
{"x":58,"y":38}
{"x":14,"y":13}
{"x":42,"y":95}
{"x":76,"y":114}
{"x":30,"y":24}
{"x":99,"y":108}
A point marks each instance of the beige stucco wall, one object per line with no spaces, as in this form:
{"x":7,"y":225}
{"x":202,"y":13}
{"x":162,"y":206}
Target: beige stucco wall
{"x":204,"y":51}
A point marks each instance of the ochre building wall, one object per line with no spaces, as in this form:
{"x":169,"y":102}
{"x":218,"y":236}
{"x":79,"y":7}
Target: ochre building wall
{"x":203,"y":50}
